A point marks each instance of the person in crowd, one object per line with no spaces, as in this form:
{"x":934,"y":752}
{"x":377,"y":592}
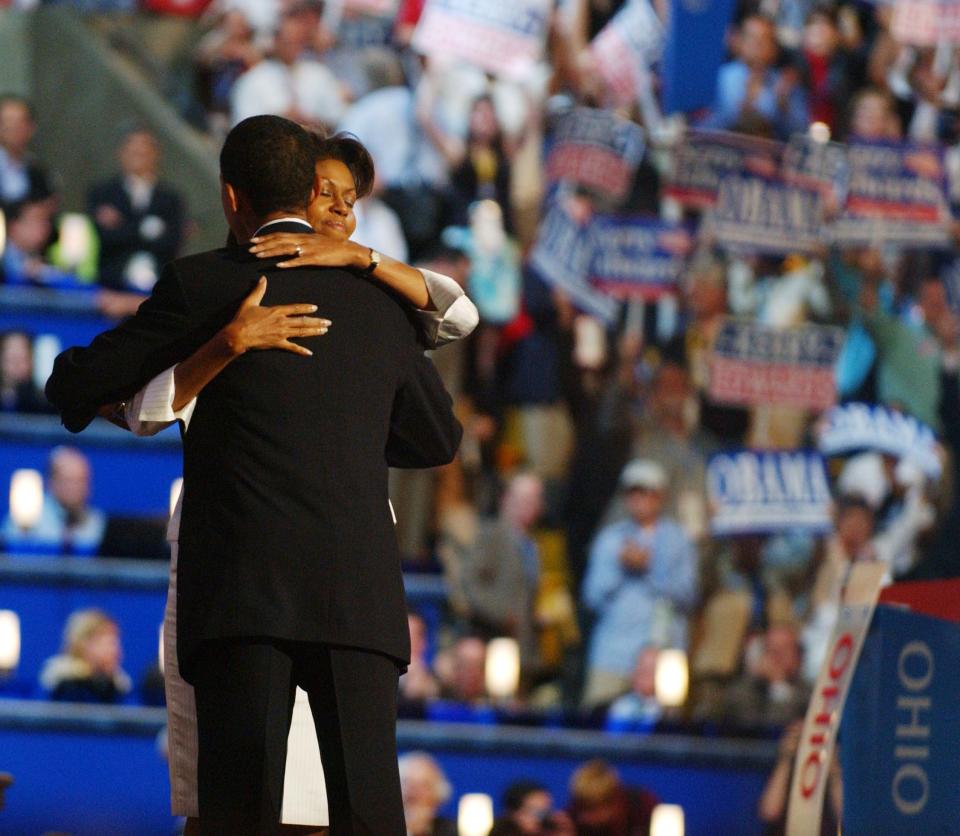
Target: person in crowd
{"x":873,"y":117}
{"x":640,"y":585}
{"x":418,"y":684}
{"x":139,"y":218}
{"x":529,"y":811}
{"x":226,"y":52}
{"x":461,"y":671}
{"x":824,"y":67}
{"x":640,"y":706}
{"x":289,"y":83}
{"x":503,"y":573}
{"x":24,"y":259}
{"x":771,"y":692}
{"x":68,"y":524}
{"x":753,"y":86}
{"x":602,"y":805}
{"x":21,"y":177}
{"x":18,"y":392}
{"x":425,"y":790}
{"x":87,"y":669}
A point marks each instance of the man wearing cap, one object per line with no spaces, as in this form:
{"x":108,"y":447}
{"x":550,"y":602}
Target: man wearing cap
{"x":641,"y":583}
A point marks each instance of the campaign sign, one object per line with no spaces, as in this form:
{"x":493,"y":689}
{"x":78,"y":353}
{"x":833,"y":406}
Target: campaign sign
{"x":756,"y":215}
{"x":755,"y":492}
{"x":630,"y":42}
{"x":705,"y":158}
{"x":926,"y":22}
{"x":900,"y":767}
{"x":816,"y":165}
{"x":505,"y":37}
{"x":753,"y":364}
{"x":896,"y":193}
{"x":855,"y":427}
{"x":596,"y":149}
{"x":638,"y":258}
{"x":561,"y":257}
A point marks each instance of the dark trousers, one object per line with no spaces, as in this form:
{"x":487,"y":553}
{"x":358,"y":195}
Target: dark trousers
{"x":245,"y":691}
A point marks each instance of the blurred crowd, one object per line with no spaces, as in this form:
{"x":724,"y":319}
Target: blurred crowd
{"x":576,"y":518}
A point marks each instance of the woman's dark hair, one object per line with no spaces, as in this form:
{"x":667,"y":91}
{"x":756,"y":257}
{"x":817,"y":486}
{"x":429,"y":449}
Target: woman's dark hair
{"x":268,"y":159}
{"x":351,"y":152}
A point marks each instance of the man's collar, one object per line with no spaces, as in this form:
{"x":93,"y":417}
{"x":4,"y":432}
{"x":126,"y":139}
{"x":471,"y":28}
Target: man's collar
{"x":297,"y":221}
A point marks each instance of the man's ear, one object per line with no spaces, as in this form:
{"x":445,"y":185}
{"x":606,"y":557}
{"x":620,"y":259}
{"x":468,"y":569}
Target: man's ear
{"x":231,"y":196}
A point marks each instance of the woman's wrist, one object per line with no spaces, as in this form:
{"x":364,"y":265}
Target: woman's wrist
{"x":231,"y":343}
{"x":359,"y":255}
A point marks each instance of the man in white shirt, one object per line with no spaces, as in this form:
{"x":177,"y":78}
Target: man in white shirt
{"x":289,"y":84}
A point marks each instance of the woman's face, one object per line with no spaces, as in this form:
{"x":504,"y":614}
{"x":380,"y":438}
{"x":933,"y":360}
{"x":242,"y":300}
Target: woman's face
{"x":331,"y":213}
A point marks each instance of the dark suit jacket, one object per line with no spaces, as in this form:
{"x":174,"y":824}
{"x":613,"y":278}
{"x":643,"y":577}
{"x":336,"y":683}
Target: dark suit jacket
{"x":285,"y":528}
{"x":118,"y":244}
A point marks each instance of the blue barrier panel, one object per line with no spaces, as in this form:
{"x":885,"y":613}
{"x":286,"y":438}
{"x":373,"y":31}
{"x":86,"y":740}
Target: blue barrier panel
{"x":131,"y":475}
{"x":95,"y":770}
{"x":43,"y":591}
{"x":72,"y":316}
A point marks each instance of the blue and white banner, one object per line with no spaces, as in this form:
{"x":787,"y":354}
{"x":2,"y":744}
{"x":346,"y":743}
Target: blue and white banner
{"x":816,"y":165}
{"x":638,"y":258}
{"x":695,"y":47}
{"x":705,"y":158}
{"x":503,"y":37}
{"x":756,"y":215}
{"x":901,"y":776}
{"x":596,"y":149}
{"x":752,"y":492}
{"x":855,"y":427}
{"x":626,"y":47}
{"x":896,"y":194}
{"x":562,"y":256}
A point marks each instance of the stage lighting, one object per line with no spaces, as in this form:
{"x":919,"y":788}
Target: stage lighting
{"x":77,"y":240}
{"x":667,"y":820}
{"x":46,"y":347}
{"x":819,"y":132}
{"x":502,"y":671}
{"x":9,"y":641}
{"x":475,"y":814}
{"x":26,"y":498}
{"x":160,"y":655}
{"x":672,"y":678}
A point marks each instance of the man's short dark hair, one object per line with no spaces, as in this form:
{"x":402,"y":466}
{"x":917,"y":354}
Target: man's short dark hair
{"x":517,"y":793}
{"x":353,"y":154}
{"x":270,"y":160}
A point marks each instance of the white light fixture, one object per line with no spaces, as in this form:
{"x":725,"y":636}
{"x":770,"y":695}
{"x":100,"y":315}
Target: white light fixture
{"x":475,"y":814}
{"x":819,"y":132}
{"x":3,"y":231}
{"x":26,"y":498}
{"x":46,"y":347}
{"x":160,"y":658}
{"x":9,"y":641}
{"x":672,"y":678}
{"x":76,"y":239}
{"x":176,"y":488}
{"x":502,"y":672}
{"x":667,"y":820}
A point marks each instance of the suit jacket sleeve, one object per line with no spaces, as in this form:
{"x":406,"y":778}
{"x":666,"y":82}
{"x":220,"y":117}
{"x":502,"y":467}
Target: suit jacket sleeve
{"x":423,"y":429}
{"x":120,"y":361}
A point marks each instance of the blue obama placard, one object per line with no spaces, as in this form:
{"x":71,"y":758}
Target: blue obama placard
{"x":765,"y":491}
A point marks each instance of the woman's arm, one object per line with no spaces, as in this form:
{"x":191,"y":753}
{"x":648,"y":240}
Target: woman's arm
{"x":446,"y":312}
{"x":253,"y":328}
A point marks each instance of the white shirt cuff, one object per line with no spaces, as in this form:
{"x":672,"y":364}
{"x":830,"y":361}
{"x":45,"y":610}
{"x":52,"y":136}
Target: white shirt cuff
{"x":151,"y":409}
{"x":454,"y":317}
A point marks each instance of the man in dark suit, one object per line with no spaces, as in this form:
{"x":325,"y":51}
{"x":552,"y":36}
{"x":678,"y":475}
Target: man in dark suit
{"x":289,"y":570}
{"x":138,"y":218}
